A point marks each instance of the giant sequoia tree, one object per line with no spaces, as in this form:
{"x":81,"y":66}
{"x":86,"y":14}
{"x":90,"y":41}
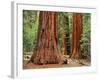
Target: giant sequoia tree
{"x":76,"y":35}
{"x":47,"y":50}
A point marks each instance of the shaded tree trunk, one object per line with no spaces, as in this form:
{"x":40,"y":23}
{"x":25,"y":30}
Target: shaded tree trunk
{"x":76,"y":35}
{"x":47,"y":50}
{"x":66,"y":36}
{"x":64,"y":32}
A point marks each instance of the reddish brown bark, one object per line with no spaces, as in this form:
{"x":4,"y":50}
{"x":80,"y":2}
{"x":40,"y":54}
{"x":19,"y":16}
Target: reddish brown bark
{"x":77,"y":31}
{"x":47,"y":47}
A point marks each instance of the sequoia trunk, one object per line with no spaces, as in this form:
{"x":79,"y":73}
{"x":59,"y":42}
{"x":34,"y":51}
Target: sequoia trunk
{"x":47,"y":46}
{"x":76,"y":36}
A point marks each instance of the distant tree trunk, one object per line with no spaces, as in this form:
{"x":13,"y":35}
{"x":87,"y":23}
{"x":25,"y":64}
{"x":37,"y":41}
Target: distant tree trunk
{"x":65,"y":36}
{"x":76,"y":36}
{"x":64,"y":31}
{"x":47,"y":50}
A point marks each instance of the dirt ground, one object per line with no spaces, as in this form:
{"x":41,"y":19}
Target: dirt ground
{"x":71,"y":63}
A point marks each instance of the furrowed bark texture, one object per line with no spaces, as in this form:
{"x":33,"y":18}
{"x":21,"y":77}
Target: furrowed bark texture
{"x":47,"y":46}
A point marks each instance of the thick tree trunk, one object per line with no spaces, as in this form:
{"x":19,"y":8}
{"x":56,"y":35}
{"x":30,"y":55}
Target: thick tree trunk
{"x":47,"y":47}
{"x":77,"y":31}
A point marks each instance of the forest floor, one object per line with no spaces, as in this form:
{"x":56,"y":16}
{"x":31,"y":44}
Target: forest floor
{"x":71,"y":63}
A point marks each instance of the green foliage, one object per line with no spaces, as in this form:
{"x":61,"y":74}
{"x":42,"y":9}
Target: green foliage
{"x":67,"y":27}
{"x":85,"y":40}
{"x":29,"y":29}
{"x":60,"y":26}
